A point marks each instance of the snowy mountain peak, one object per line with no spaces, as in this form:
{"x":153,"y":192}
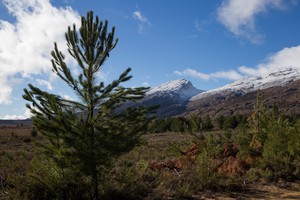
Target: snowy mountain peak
{"x":278,"y":78}
{"x":171,"y":86}
{"x":181,"y":88}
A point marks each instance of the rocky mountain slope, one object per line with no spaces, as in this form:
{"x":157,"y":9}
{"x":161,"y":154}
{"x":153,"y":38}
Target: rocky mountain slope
{"x":172,"y":97}
{"x":244,"y":86}
{"x":281,"y":88}
{"x":286,"y":97}
{"x":181,"y":90}
{"x":180,"y":97}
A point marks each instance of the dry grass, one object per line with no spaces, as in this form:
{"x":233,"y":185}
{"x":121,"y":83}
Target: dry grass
{"x":15,"y":139}
{"x":16,"y":152}
{"x":131,"y":177}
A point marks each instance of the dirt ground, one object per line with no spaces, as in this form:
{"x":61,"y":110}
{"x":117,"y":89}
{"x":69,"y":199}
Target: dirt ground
{"x":278,"y":191}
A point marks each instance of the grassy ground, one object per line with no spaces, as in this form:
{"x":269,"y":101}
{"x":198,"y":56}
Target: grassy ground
{"x":16,"y":152}
{"x":132,"y":177}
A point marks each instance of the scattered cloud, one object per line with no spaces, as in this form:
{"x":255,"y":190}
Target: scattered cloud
{"x":201,"y":26}
{"x":26,"y":115}
{"x":45,"y":83}
{"x":143,"y":21}
{"x":27,"y":42}
{"x":102,"y":75}
{"x":285,"y":58}
{"x":145,"y":84}
{"x":6,"y":90}
{"x":239,"y":16}
{"x":230,"y":74}
{"x":138,"y":16}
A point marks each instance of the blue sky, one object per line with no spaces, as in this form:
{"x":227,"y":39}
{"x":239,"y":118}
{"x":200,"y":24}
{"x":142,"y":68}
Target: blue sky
{"x":211,"y":43}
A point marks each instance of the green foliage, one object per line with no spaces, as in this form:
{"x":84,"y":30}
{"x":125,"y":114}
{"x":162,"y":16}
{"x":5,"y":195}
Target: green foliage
{"x":192,"y":124}
{"x":243,"y":139}
{"x":205,"y":166}
{"x":33,"y":132}
{"x":46,"y":180}
{"x":207,"y":123}
{"x":257,"y":121}
{"x":272,"y":141}
{"x":281,"y":147}
{"x":220,"y":121}
{"x":87,"y":135}
{"x":195,"y":123}
{"x":177,"y":124}
{"x":158,"y":126}
{"x":231,"y":122}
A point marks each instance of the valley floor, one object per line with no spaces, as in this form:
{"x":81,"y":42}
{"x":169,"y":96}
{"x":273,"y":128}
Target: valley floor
{"x":16,"y":150}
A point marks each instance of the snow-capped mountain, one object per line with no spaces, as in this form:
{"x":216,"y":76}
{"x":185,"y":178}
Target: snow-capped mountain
{"x":278,"y":78}
{"x":171,"y":97}
{"x":281,"y":88}
{"x":180,"y":97}
{"x":181,"y":89}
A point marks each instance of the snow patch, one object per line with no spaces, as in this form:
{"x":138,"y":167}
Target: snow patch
{"x":182,"y":89}
{"x":278,"y":78}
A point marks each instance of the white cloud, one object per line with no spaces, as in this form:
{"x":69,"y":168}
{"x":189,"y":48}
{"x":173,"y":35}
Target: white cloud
{"x":230,"y":74}
{"x":239,"y":16}
{"x":5,"y":90}
{"x":138,"y":16}
{"x":26,"y":43}
{"x":143,"y":21}
{"x":26,"y":115}
{"x":285,"y":58}
{"x":145,"y":84}
{"x":46,"y":83}
{"x":102,"y":75}
{"x":201,"y":26}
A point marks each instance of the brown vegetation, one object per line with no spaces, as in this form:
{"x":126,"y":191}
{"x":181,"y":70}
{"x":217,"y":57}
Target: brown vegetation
{"x":227,"y":163}
{"x":133,"y":177}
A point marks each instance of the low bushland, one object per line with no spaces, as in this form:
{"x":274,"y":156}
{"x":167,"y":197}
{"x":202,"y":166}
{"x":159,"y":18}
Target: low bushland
{"x":178,"y":165}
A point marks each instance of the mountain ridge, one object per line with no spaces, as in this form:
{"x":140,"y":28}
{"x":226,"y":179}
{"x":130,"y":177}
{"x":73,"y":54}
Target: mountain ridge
{"x":241,"y":95}
{"x":181,"y":87}
{"x":180,"y":97}
{"x":277,"y":78}
{"x":172,"y":97}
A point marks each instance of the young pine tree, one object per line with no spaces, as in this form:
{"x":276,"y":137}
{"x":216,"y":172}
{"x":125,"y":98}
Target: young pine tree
{"x":87,"y":134}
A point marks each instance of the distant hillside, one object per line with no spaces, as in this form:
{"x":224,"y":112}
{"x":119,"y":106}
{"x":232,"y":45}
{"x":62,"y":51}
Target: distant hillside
{"x":10,"y":123}
{"x":286,"y":97}
{"x":180,"y":97}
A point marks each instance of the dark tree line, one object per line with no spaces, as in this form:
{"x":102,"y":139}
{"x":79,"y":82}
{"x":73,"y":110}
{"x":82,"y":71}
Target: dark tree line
{"x":197,"y":123}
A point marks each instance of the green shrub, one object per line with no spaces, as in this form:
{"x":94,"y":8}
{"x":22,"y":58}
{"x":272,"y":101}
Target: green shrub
{"x":281,"y":147}
{"x":33,"y":132}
